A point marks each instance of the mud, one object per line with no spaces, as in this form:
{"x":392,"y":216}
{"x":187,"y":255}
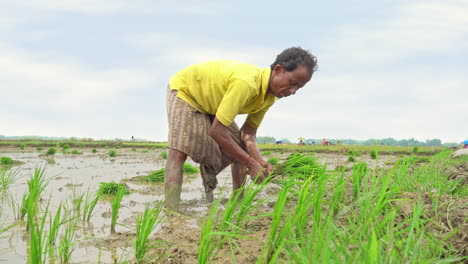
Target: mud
{"x":180,"y":232}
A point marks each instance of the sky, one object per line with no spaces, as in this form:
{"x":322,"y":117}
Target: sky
{"x":99,"y":69}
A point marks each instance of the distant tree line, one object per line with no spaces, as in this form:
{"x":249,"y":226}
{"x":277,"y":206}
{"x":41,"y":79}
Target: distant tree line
{"x":265,"y":140}
{"x":369,"y":142}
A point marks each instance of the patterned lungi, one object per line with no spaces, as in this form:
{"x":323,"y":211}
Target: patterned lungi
{"x":189,"y":133}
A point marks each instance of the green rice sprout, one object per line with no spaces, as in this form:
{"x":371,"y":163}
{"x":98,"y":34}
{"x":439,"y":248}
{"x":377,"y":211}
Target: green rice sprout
{"x":75,"y":152}
{"x":189,"y":169}
{"x":7,"y":178}
{"x":5,"y":161}
{"x":164,"y":155}
{"x":67,"y":241}
{"x":54,"y":226}
{"x":38,"y":241}
{"x":39,"y":148}
{"x":374,"y":154}
{"x":89,"y":204}
{"x":51,"y":151}
{"x":112,"y":153}
{"x":133,"y":149}
{"x":157,"y":176}
{"x":299,"y":165}
{"x":266,"y":153}
{"x":359,"y":171}
{"x":22,"y":146}
{"x":273,"y":161}
{"x":36,"y":185}
{"x":111,"y":188}
{"x":145,"y":224}
{"x":115,"y":208}
{"x":93,"y":151}
{"x":145,"y":151}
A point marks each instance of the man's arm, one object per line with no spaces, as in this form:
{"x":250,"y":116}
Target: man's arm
{"x":221,"y":135}
{"x":249,"y":138}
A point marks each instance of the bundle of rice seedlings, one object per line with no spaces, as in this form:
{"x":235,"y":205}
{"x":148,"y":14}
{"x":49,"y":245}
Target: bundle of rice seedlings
{"x":297,"y":165}
{"x":189,"y":169}
{"x":157,"y":176}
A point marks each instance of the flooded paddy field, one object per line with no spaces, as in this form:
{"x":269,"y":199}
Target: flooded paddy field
{"x":180,"y":233}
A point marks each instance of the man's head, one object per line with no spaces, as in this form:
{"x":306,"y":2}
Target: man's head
{"x":292,"y":69}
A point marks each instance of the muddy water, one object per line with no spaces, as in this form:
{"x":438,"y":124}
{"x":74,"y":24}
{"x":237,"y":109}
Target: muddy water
{"x":80,"y":173}
{"x":68,"y":173}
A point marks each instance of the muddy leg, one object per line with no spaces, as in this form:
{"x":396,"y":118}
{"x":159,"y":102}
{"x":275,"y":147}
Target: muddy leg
{"x":239,"y":173}
{"x":209,"y":181}
{"x":173,"y":178}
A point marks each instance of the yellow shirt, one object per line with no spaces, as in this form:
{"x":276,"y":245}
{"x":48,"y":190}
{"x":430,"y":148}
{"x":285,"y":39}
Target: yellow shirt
{"x":225,"y":88}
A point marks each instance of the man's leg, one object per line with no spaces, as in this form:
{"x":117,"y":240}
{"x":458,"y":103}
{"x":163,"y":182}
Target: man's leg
{"x":173,"y":178}
{"x":239,"y":173}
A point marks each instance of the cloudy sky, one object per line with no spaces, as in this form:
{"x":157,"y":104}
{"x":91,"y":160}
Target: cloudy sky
{"x":87,"y":68}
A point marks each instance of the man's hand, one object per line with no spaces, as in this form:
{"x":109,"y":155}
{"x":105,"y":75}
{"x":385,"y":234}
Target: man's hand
{"x":267,"y":166}
{"x":256,"y":170}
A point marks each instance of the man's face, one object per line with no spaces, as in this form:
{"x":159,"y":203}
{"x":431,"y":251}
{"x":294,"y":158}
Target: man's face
{"x":284,"y":83}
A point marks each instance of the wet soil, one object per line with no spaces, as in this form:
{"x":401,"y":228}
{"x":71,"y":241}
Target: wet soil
{"x":180,"y":232}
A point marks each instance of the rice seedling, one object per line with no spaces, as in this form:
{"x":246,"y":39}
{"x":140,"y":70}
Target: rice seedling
{"x":144,"y":151}
{"x":65,"y":147}
{"x":189,"y":169}
{"x":359,"y":171}
{"x":115,"y":208}
{"x":145,"y":224}
{"x":133,"y":149}
{"x":415,"y":150}
{"x":51,"y":151}
{"x":89,"y":203}
{"x":111,"y":188}
{"x":5,"y":161}
{"x":374,"y":154}
{"x":7,"y":178}
{"x":39,"y":148}
{"x":75,"y":152}
{"x":157,"y":176}
{"x":266,"y":153}
{"x":54,"y":226}
{"x":207,"y":245}
{"x":112,"y":153}
{"x":36,"y":185}
{"x":164,"y":155}
{"x":273,"y":161}
{"x":117,"y":147}
{"x":67,"y":241}
{"x":93,"y":151}
{"x":298,"y":165}
{"x":22,"y":146}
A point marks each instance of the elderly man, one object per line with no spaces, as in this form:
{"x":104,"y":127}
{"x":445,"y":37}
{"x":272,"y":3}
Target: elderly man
{"x":202,"y":102}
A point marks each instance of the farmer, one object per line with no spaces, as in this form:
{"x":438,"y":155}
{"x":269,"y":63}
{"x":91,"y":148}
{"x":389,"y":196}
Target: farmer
{"x":464,"y":144}
{"x":202,"y":102}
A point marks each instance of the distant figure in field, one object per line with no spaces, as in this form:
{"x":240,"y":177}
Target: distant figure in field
{"x":464,"y":144}
{"x":279,"y":142}
{"x":325,"y":142}
{"x":133,"y":139}
{"x":301,"y":143}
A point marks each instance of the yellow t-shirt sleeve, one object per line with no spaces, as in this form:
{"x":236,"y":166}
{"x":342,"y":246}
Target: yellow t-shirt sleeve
{"x":238,"y":94}
{"x":254,"y":120}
